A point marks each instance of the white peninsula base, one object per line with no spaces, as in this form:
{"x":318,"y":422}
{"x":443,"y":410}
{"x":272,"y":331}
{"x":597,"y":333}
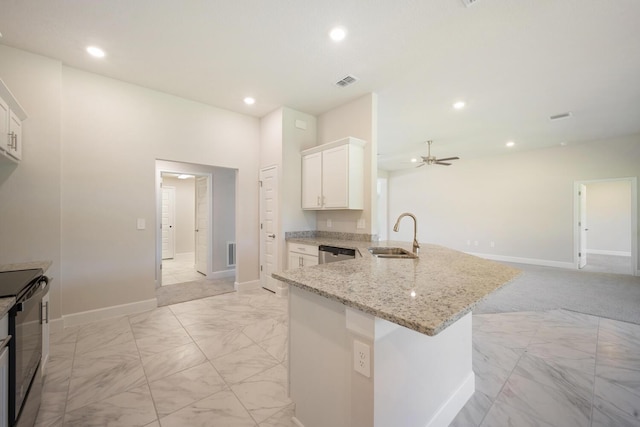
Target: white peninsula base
{"x":415,"y":379}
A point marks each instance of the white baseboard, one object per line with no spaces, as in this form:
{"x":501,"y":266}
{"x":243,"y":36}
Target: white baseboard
{"x":89,"y":316}
{"x":247,"y":286}
{"x":448,"y":411}
{"x":222,"y":274}
{"x":532,"y":261}
{"x":606,"y":252}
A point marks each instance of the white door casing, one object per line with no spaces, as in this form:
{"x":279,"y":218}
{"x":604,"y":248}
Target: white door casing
{"x":202,"y":223}
{"x":269,"y":239}
{"x":168,"y":220}
{"x":582,"y":223}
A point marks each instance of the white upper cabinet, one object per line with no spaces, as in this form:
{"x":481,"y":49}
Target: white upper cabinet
{"x":333,"y":175}
{"x":11,"y":117}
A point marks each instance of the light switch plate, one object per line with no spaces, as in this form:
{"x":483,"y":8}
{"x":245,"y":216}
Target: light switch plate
{"x":329,"y":223}
{"x":141,"y":224}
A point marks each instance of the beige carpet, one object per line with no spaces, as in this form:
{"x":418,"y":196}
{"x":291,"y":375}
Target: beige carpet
{"x":181,"y":292}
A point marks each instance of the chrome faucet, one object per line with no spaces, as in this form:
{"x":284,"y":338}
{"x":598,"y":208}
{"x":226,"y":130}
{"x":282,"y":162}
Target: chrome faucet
{"x":396,"y":227}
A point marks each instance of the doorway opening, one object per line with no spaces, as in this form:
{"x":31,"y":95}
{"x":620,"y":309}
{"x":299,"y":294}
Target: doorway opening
{"x":606,"y":219}
{"x":195,"y":240}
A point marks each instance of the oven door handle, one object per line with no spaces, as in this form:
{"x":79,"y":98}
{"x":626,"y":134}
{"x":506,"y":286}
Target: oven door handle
{"x":5,"y":342}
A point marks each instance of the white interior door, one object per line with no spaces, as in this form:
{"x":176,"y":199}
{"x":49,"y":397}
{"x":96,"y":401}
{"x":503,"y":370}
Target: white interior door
{"x":202,"y":223}
{"x":582,"y":258}
{"x":269,"y":247}
{"x":168,"y":220}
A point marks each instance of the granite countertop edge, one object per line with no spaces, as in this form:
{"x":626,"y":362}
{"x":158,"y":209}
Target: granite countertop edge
{"x":396,"y":311}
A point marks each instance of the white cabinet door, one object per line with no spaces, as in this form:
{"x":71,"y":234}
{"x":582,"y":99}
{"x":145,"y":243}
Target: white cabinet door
{"x":295,"y":261}
{"x":333,"y":175}
{"x":309,"y":260}
{"x":15,"y":136}
{"x":335,"y":178}
{"x":312,"y":181}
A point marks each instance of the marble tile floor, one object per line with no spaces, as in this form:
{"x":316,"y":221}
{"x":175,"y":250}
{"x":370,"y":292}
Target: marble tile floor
{"x":556,"y":368}
{"x":217,"y":361}
{"x":222,"y":361}
{"x":180,"y":269}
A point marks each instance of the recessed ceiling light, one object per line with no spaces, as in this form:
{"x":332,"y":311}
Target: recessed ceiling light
{"x":563,"y":144}
{"x":184,"y":176}
{"x":414,"y":160}
{"x":510,"y":144}
{"x":249,"y":100}
{"x":96,"y":52}
{"x":338,"y":34}
{"x":459,"y":105}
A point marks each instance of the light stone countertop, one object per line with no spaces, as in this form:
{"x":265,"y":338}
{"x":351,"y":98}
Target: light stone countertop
{"x":425,"y":294}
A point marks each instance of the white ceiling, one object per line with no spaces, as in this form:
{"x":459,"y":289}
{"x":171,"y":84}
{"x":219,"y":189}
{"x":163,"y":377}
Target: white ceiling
{"x":514,"y":62}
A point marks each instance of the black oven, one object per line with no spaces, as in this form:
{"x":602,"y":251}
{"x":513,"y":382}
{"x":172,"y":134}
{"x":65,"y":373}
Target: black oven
{"x":25,"y":348}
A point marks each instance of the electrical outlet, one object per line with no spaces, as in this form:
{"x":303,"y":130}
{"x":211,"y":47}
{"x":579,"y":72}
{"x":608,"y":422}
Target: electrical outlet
{"x":329,"y":223}
{"x":362,"y":358}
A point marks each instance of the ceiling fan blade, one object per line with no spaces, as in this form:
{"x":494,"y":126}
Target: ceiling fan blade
{"x":443,"y":164}
{"x":447,"y":159}
{"x":421,"y":164}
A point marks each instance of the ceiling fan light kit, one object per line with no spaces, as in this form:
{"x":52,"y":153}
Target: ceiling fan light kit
{"x":433,"y":160}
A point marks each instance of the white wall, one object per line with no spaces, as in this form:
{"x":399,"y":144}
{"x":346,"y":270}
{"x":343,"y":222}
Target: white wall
{"x":89,"y":174}
{"x":30,"y":192}
{"x":523,"y":202}
{"x":184,"y":221}
{"x":281,"y":143}
{"x":224,"y":212}
{"x":113,"y":133}
{"x":609,"y":217}
{"x":357,"y":119}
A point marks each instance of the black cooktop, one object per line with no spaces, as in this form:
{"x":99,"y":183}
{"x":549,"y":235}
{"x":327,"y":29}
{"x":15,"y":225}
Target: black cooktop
{"x":13,"y":282}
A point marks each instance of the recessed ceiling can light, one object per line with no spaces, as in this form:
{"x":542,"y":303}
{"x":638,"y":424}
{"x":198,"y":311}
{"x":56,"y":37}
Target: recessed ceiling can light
{"x":96,"y":52}
{"x":414,"y":160}
{"x":510,"y":144}
{"x":249,"y":100}
{"x":338,"y":34}
{"x":459,"y":105}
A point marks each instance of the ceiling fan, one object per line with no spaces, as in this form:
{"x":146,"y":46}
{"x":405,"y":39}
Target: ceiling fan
{"x":432,"y":160}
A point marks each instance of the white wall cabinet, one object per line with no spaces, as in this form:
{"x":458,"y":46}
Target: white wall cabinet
{"x":301,"y":255}
{"x":333,"y":175}
{"x":11,"y":117}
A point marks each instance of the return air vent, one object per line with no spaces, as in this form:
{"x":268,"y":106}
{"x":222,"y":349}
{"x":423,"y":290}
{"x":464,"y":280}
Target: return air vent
{"x":346,"y":81}
{"x":560,"y":116}
{"x":468,"y":3}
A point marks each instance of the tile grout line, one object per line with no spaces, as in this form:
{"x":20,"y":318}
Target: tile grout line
{"x":595,"y":372}
{"x":135,"y":341}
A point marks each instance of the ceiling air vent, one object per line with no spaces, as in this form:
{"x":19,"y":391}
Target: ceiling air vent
{"x":560,"y":116}
{"x":468,"y":3}
{"x":346,"y":81}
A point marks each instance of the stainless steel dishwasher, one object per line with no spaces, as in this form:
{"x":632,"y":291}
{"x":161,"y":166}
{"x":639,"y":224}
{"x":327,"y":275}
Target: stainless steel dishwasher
{"x":327,"y":254}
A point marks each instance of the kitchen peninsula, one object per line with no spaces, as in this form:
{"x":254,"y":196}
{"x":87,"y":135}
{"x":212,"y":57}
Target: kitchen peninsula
{"x":383,"y":342}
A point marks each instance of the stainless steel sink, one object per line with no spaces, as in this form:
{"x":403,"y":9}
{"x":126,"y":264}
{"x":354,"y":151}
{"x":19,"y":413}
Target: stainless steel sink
{"x":385,"y":252}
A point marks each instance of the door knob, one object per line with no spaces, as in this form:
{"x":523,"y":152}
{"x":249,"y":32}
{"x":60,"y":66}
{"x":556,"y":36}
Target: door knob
{"x":273,"y":236}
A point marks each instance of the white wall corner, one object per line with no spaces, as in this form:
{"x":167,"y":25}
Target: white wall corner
{"x":247,"y":286}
